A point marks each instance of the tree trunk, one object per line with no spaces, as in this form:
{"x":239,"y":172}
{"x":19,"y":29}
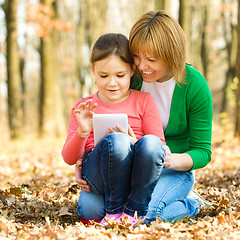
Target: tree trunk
{"x":13,"y":73}
{"x":230,"y":37}
{"x":237,"y":125}
{"x":205,"y":42}
{"x":93,"y":23}
{"x":184,"y":21}
{"x":163,"y":5}
{"x":51,"y":122}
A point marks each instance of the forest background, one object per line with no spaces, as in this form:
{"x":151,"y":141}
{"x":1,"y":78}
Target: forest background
{"x":44,"y":56}
{"x":44,"y":69}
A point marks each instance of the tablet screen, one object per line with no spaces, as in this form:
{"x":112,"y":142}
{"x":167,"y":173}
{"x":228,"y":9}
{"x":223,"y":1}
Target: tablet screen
{"x":102,"y":122}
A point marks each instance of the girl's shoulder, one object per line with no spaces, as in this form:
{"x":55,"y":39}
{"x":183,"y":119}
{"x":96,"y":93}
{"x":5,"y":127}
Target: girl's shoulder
{"x":140,"y":94}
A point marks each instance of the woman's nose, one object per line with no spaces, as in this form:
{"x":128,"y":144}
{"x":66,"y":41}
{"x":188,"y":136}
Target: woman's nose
{"x":141,"y":64}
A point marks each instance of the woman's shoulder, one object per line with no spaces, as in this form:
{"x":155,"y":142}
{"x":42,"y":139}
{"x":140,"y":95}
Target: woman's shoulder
{"x":194,"y":77}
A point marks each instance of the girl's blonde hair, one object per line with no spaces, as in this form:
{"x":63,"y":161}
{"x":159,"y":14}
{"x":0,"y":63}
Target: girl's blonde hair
{"x":161,"y":35}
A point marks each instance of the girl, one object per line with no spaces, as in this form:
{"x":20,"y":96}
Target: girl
{"x":124,"y":167}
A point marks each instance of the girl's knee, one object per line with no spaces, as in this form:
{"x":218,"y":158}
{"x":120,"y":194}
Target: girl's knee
{"x":90,"y":206}
{"x":118,"y":139}
{"x":151,"y":147}
{"x":118,"y":144}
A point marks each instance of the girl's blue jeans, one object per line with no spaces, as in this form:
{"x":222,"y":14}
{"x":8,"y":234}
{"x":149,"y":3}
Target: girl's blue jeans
{"x":169,"y":200}
{"x":121,"y":175}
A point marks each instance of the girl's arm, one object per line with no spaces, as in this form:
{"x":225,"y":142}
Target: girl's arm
{"x":80,"y":125}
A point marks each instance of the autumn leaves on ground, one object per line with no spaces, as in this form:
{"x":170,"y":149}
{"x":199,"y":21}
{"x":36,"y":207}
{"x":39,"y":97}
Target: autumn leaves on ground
{"x":38,"y":197}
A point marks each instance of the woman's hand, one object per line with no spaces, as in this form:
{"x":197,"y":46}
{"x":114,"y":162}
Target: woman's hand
{"x":130,"y":132}
{"x":177,"y":161}
{"x":84,"y":115}
{"x":78,"y":174}
{"x":168,"y":157}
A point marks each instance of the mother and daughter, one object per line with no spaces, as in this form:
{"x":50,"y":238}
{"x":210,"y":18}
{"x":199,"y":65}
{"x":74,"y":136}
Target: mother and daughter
{"x":137,"y":171}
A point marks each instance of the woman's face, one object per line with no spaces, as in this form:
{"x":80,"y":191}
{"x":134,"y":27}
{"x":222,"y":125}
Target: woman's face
{"x":151,"y":69}
{"x":112,"y":77}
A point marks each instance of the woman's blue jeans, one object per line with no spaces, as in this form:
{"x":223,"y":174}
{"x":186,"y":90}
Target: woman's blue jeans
{"x":121,"y":174}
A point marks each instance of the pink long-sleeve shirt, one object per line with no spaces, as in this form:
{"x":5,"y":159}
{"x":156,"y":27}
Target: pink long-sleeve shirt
{"x":143,"y":117}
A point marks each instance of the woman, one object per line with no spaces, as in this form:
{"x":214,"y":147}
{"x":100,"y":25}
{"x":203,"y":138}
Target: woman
{"x":158,"y":45}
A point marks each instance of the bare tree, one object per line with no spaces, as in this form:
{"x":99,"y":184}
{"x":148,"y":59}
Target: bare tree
{"x":13,"y":73}
{"x":184,"y":20}
{"x":51,"y":119}
{"x":92,"y":23}
{"x":163,"y":4}
{"x":237,"y":125}
{"x":230,"y":38}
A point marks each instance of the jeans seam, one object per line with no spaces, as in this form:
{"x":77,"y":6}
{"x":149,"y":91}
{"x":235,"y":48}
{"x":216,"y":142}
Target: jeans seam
{"x":110,"y":168}
{"x":92,"y":186}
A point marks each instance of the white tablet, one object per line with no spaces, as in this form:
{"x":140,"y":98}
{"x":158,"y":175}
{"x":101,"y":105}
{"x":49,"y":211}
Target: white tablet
{"x":102,"y":122}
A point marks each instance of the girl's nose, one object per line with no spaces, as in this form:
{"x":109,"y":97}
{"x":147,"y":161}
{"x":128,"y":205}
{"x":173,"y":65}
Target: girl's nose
{"x":112,"y":81}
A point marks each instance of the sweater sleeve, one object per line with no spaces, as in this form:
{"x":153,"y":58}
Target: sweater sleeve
{"x":74,"y":147}
{"x":152,"y":123}
{"x":200,"y":125}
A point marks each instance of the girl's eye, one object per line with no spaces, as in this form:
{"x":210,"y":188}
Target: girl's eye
{"x":103,"y":76}
{"x":120,"y":76}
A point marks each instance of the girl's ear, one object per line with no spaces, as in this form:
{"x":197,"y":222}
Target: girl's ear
{"x":92,"y":68}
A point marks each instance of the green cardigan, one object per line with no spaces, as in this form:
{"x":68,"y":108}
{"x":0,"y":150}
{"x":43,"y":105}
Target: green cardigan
{"x":189,"y":127}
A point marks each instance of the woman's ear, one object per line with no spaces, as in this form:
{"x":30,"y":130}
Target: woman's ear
{"x":133,"y":69}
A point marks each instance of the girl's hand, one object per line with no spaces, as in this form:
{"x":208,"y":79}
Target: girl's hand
{"x":167,"y":162}
{"x":84,"y":115}
{"x":130,"y":132}
{"x":78,"y":174}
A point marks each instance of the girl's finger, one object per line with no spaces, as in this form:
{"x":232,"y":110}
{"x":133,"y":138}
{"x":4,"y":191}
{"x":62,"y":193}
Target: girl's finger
{"x":130,"y":131}
{"x":92,"y":107}
{"x":121,"y":129}
{"x":112,"y":130}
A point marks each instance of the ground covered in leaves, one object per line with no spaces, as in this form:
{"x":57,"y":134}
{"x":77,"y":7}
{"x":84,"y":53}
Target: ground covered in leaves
{"x":38,"y":197}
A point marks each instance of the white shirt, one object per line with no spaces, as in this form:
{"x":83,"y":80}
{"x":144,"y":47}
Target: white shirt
{"x":162,"y":93}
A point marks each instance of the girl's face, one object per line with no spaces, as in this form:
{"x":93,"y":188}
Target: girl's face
{"x":151,"y":69}
{"x":112,"y":77}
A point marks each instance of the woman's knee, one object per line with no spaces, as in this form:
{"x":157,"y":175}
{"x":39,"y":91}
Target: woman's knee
{"x":90,"y":206}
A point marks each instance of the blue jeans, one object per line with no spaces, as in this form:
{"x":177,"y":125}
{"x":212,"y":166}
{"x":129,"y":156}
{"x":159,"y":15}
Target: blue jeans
{"x":169,"y":200}
{"x":123,"y":174}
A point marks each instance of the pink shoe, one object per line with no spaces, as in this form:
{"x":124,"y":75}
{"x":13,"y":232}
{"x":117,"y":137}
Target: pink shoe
{"x":111,"y":217}
{"x":125,"y":219}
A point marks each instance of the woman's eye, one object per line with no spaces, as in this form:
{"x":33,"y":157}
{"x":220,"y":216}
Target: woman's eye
{"x":151,"y":60}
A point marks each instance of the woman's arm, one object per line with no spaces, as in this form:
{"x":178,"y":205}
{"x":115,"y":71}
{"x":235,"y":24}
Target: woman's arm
{"x":177,"y":161}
